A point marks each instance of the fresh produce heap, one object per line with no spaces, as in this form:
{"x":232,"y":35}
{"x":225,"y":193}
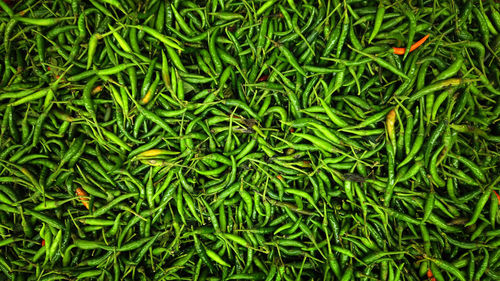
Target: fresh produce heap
{"x":249,"y":140}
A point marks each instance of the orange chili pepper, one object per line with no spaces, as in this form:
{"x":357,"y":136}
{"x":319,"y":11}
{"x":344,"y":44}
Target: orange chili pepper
{"x":97,"y":89}
{"x":147,"y":97}
{"x":429,"y":273}
{"x":83,"y":195}
{"x":401,"y":51}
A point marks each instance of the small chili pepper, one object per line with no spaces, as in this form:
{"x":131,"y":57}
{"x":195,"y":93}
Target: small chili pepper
{"x":83,"y":196}
{"x":413,"y":47}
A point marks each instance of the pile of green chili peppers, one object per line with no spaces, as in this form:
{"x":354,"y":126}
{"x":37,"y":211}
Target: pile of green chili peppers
{"x":249,"y":140}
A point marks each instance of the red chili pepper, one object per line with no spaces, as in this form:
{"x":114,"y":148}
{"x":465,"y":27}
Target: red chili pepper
{"x":292,"y":130}
{"x":401,"y":51}
{"x":43,"y":243}
{"x":498,"y":196}
{"x":263,"y":78}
